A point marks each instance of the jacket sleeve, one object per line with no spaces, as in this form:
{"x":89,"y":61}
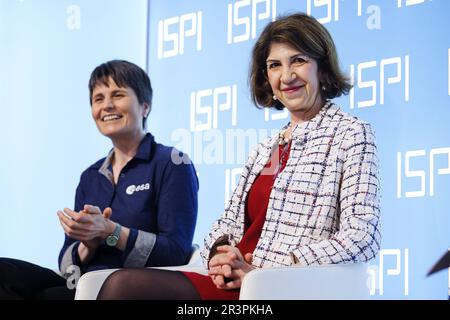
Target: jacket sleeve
{"x":358,"y":238}
{"x":68,"y":254}
{"x":225,"y":229}
{"x":177,"y":207}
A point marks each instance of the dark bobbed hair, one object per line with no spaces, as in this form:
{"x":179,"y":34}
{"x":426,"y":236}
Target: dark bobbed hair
{"x":308,"y":36}
{"x":124,"y":74}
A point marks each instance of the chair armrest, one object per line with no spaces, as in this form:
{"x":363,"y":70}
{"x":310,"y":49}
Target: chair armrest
{"x":195,"y":259}
{"x":324,"y":282}
{"x":89,"y":284}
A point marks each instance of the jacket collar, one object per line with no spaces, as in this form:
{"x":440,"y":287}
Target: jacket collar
{"x":301,"y":130}
{"x":144,"y":152}
{"x":304,"y":128}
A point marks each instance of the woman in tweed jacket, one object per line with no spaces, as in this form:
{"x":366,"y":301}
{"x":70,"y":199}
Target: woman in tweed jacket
{"x":322,"y":205}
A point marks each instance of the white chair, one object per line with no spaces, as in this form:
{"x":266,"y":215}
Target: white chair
{"x":326,"y":282}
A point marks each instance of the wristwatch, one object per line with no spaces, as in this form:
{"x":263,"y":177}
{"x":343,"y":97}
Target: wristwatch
{"x":113,"y":238}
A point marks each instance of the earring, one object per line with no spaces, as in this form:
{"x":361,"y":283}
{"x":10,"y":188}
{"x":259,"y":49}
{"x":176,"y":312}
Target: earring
{"x":323,"y":88}
{"x":274,"y":97}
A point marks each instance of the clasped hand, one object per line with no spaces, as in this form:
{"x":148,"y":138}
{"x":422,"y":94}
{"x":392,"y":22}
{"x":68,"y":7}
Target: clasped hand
{"x":89,"y":226}
{"x":228,"y":267}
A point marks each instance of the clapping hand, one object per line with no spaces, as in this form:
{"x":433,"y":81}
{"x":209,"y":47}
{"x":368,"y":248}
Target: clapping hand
{"x":89,"y":225}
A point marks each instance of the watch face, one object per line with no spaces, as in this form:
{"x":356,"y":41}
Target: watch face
{"x":111,"y":241}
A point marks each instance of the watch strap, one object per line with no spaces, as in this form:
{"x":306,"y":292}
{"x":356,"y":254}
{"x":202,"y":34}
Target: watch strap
{"x":117,"y":230}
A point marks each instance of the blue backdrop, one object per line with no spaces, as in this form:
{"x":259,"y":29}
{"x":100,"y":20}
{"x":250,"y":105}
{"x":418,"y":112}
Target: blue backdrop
{"x":397,"y":53}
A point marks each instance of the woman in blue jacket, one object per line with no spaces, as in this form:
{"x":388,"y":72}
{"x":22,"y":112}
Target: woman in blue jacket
{"x":125,"y":214}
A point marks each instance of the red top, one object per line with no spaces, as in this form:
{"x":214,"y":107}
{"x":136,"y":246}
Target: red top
{"x":255,"y":215}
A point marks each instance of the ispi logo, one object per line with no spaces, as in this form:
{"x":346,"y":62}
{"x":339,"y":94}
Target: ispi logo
{"x":132,"y":189}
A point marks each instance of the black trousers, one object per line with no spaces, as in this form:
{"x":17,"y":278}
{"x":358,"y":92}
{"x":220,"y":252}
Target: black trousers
{"x":23,"y":280}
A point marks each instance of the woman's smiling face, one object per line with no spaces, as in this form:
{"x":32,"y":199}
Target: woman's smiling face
{"x":116,"y":110}
{"x":294,"y":79}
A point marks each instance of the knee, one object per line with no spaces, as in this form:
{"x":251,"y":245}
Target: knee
{"x":118,"y":278}
{"x":7,"y":270}
{"x":114,"y":284}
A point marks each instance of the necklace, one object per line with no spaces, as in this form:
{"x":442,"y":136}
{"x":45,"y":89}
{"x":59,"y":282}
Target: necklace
{"x":282,"y":140}
{"x":282,"y":154}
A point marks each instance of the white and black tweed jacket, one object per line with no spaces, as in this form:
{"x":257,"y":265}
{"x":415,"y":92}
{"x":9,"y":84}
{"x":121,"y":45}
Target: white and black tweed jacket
{"x":323,"y":207}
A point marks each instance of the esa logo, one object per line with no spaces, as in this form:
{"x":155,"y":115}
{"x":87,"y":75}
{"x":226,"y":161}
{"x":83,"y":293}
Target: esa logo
{"x":132,"y":189}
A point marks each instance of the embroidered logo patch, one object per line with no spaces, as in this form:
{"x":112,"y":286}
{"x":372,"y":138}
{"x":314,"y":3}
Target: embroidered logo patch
{"x":133,"y":188}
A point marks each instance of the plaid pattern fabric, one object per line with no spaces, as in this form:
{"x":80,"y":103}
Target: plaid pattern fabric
{"x":324,"y":206}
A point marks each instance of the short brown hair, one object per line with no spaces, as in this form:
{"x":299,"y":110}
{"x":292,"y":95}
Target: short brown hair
{"x":308,"y":36}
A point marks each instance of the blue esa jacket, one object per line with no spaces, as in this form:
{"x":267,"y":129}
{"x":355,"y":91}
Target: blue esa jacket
{"x":155,"y":197}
